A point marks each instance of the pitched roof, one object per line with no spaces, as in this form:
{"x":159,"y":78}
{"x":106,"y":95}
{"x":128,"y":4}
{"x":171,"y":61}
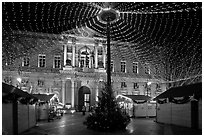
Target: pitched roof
{"x":9,"y":90}
{"x":187,"y":90}
{"x":43,"y":97}
{"x":134,"y":98}
{"x":138,"y":97}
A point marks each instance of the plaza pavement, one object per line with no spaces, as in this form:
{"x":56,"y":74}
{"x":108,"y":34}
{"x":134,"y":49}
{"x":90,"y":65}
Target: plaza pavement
{"x":72,"y":124}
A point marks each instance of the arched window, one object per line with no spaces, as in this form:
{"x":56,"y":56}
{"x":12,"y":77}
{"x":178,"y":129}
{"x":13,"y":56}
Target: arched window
{"x":85,"y":58}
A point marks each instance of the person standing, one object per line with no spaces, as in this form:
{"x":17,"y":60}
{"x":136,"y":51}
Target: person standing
{"x":83,"y":110}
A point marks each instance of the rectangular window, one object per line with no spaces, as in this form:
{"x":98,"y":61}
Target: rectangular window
{"x":135,"y":86}
{"x":124,"y":92}
{"x":10,"y":61}
{"x":157,"y":70}
{"x":135,"y":67}
{"x":8,"y":80}
{"x":147,"y":69}
{"x":69,"y":49}
{"x":40,"y":83}
{"x":87,"y":61}
{"x":136,"y":93}
{"x":100,"y":51}
{"x":57,"y":61}
{"x":112,"y":66}
{"x":41,"y":60}
{"x":123,"y":66}
{"x":123,"y":85}
{"x":158,"y":86}
{"x":26,"y":62}
{"x":86,"y":97}
{"x":82,"y":62}
{"x":24,"y":82}
{"x":100,"y":62}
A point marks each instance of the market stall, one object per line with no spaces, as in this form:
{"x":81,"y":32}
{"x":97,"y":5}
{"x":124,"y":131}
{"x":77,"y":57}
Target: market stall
{"x":18,"y":110}
{"x":137,"y":105}
{"x":46,"y":106}
{"x":181,"y":106}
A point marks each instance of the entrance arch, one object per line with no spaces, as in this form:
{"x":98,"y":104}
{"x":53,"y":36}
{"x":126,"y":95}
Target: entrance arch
{"x":84,"y":97}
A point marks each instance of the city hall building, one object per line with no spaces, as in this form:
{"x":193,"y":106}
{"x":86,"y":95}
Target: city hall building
{"x":72,"y":65}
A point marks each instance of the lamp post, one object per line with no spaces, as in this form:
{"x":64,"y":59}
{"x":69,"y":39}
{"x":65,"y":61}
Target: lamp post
{"x":107,"y":16}
{"x":148,"y":84}
{"x":19,"y":81}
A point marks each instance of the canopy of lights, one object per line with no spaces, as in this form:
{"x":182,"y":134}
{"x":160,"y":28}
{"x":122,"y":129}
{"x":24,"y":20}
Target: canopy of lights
{"x":161,"y":34}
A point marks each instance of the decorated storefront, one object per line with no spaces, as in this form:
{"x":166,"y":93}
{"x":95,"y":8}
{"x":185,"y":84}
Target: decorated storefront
{"x":137,"y":105}
{"x":181,"y":106}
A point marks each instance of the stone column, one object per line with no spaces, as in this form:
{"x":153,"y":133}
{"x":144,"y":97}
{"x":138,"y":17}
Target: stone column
{"x":96,"y":55}
{"x":63,"y":92}
{"x":96,"y":92}
{"x":90,"y":60}
{"x":72,"y":94}
{"x":104,"y":57}
{"x":65,"y":54}
{"x":73,"y":55}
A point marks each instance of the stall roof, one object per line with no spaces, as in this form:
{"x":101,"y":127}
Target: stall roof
{"x":9,"y":89}
{"x":44,"y":97}
{"x":138,"y":97}
{"x":187,"y":90}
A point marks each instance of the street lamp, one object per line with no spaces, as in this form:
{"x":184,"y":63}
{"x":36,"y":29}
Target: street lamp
{"x":19,"y":81}
{"x":149,"y":83}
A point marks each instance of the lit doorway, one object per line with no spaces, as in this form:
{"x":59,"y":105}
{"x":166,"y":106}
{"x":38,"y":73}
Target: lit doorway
{"x":84,"y":97}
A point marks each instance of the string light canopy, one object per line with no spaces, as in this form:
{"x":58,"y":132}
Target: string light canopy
{"x":166,"y":35}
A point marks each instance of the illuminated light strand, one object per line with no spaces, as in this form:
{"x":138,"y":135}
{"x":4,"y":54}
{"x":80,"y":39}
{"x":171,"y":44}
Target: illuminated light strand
{"x":96,"y":27}
{"x":135,"y":55}
{"x":96,"y":5}
{"x":150,"y":43}
{"x":156,"y":9}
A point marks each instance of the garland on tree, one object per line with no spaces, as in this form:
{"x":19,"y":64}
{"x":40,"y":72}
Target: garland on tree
{"x":140,"y":102}
{"x":107,"y":115}
{"x":175,"y":100}
{"x":162,"y":101}
{"x":183,"y":100}
{"x":23,"y":100}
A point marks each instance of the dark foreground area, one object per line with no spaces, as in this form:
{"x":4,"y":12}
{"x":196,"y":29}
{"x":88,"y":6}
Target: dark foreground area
{"x":72,"y":124}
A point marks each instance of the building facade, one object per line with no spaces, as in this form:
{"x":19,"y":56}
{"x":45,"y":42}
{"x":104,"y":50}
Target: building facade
{"x":73,"y":66}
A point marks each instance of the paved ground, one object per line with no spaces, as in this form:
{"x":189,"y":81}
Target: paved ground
{"x":72,"y":124}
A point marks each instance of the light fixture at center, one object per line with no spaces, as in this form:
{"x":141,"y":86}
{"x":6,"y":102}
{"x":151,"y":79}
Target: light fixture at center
{"x":108,"y":15}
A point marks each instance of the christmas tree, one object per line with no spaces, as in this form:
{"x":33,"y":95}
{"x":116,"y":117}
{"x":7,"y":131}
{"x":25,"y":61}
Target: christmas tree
{"x":107,"y":115}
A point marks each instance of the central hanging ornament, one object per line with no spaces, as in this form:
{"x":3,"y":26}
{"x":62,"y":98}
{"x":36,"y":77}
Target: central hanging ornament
{"x":108,"y":15}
